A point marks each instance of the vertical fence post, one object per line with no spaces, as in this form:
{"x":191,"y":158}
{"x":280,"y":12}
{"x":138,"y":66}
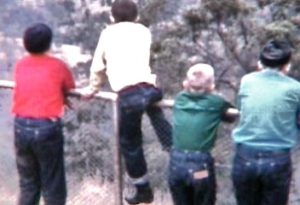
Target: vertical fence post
{"x":117,"y":156}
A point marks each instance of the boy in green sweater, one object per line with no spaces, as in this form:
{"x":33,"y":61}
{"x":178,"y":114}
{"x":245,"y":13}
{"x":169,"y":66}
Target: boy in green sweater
{"x":197,"y":113}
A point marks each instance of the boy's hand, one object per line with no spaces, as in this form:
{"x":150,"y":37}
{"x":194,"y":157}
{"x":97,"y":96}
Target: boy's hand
{"x":232,"y":111}
{"x":230,"y":115}
{"x":87,"y":93}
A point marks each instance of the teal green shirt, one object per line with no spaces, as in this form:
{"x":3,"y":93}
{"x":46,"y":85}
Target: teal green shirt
{"x":269,"y":104}
{"x":195,"y":120}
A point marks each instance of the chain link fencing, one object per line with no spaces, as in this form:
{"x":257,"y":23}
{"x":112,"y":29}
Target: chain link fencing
{"x":90,"y":162}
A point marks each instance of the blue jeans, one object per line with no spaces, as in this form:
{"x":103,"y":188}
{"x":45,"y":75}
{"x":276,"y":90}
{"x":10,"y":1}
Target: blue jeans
{"x":39,"y":159}
{"x":133,"y":102}
{"x":192,"y":178}
{"x":261,"y":177}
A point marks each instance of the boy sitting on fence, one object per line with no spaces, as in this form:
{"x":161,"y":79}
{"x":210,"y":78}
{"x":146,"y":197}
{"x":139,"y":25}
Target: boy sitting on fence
{"x":197,"y":113}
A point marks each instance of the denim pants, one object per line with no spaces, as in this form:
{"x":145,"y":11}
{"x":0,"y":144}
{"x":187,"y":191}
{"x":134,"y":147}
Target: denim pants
{"x":192,"y":178}
{"x":133,"y":102}
{"x":40,"y":161}
{"x":261,"y":177}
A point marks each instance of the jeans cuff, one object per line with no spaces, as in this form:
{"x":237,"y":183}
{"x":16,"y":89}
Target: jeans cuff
{"x":141,"y":180}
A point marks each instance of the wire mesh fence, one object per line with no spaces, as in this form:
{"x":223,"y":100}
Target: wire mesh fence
{"x":89,"y":156}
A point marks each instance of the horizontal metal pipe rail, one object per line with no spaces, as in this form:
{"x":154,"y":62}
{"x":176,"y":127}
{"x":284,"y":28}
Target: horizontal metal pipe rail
{"x":101,"y":94}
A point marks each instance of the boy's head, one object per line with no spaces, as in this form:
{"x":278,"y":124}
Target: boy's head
{"x":37,"y":38}
{"x":124,"y":10}
{"x":276,"y":54}
{"x":200,"y":78}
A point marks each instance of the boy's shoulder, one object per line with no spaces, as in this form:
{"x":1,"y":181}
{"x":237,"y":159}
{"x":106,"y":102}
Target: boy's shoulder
{"x":218,"y":96}
{"x":214,"y":100}
{"x":293,"y":80}
{"x":213,"y":96}
{"x":250,"y":76}
{"x":125,"y":26}
{"x":56,"y":60}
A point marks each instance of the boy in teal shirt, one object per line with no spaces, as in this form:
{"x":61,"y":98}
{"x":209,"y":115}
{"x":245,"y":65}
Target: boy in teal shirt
{"x":269,"y":103}
{"x":197,"y":113}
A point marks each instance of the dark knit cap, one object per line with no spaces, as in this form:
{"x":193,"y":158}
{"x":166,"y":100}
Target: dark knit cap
{"x":275,"y":53}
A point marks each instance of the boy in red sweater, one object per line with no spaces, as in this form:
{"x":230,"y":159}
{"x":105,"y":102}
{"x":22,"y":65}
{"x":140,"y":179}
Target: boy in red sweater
{"x":41,"y":83}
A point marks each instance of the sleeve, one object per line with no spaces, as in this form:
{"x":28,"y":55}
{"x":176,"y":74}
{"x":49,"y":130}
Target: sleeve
{"x":68,"y":80}
{"x":229,"y":113}
{"x":98,"y":64}
{"x":240,"y":92}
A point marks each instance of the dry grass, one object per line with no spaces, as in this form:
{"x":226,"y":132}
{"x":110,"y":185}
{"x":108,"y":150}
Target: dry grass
{"x":91,"y":191}
{"x":88,"y":191}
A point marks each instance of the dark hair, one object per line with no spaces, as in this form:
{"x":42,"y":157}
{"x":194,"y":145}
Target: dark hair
{"x":276,"y":53}
{"x":124,"y":10}
{"x":37,"y":38}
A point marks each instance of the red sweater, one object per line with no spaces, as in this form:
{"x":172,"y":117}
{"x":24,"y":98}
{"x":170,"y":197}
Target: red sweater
{"x":41,"y":82}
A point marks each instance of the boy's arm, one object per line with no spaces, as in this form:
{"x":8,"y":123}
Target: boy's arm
{"x":97,"y":70}
{"x":68,"y":84}
{"x":232,"y":111}
{"x":96,"y":82}
{"x":230,"y":115}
